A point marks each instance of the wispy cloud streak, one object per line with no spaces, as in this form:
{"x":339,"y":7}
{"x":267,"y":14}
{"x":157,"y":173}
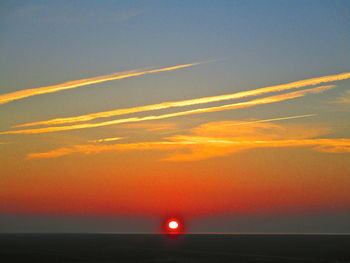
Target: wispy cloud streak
{"x":216,"y":139}
{"x":344,"y":98}
{"x":5,"y":98}
{"x":260,"y":101}
{"x":277,"y":119}
{"x":326,"y":145}
{"x":107,"y":139}
{"x":166,"y":105}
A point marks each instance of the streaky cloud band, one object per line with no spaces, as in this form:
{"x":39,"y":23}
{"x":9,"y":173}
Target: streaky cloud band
{"x":21,"y":94}
{"x":260,"y":101}
{"x":166,"y":105}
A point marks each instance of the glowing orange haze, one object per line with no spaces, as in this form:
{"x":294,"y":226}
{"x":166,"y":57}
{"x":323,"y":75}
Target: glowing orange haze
{"x":184,"y":194}
{"x":108,"y":176}
{"x":111,"y":184}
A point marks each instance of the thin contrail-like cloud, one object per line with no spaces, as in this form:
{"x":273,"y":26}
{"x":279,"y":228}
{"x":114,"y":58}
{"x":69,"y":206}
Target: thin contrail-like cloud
{"x":165,"y":105}
{"x":5,"y":98}
{"x":266,"y":100}
{"x":277,"y":119}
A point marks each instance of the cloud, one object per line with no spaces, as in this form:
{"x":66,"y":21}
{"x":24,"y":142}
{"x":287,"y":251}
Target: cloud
{"x":166,"y":105}
{"x":344,"y":98}
{"x":227,"y":137}
{"x":278,"y":119}
{"x":107,"y":139}
{"x":222,"y":138}
{"x":261,"y":101}
{"x":207,"y":147}
{"x":5,"y":98}
{"x":259,"y":130}
{"x":335,"y":147}
{"x":94,"y":149}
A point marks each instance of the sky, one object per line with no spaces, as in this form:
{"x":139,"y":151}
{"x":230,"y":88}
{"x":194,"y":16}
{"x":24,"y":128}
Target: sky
{"x":231,"y":115}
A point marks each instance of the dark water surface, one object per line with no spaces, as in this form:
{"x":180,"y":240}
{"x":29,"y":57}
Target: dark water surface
{"x":185,"y":248}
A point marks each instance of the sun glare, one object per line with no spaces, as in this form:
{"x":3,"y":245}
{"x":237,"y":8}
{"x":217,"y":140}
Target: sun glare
{"x":173,"y":224}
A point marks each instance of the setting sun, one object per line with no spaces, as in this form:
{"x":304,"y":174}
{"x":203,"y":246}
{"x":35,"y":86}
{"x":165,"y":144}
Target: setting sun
{"x":173,"y":224}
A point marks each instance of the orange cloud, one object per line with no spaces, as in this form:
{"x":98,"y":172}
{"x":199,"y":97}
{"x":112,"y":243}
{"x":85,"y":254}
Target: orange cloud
{"x":94,"y":149}
{"x":166,"y":105}
{"x":259,"y":130}
{"x":266,"y":100}
{"x":221,"y":139}
{"x":107,"y":139}
{"x":229,"y":147}
{"x":226,"y":137}
{"x":5,"y":98}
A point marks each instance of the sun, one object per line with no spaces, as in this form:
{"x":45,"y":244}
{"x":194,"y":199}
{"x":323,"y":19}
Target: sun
{"x":173,"y":224}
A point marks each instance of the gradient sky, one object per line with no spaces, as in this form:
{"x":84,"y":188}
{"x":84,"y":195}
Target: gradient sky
{"x":272,"y":156}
